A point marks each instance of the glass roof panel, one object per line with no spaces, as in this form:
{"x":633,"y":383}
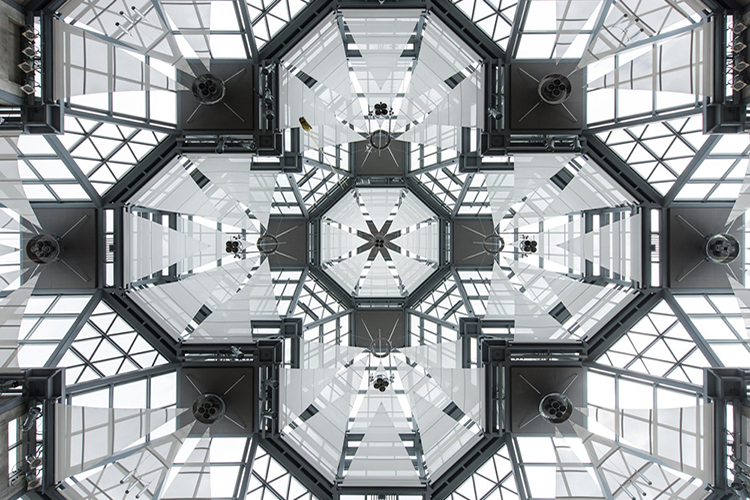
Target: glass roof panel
{"x":107,"y":345}
{"x":494,"y":18}
{"x":495,"y":479}
{"x":718,"y":319}
{"x":660,"y":151}
{"x":658,"y":345}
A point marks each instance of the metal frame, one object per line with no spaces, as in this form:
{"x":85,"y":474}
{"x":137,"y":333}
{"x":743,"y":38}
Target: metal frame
{"x":495,"y":439}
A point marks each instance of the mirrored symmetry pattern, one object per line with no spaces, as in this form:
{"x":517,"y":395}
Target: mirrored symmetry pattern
{"x":315,"y":250}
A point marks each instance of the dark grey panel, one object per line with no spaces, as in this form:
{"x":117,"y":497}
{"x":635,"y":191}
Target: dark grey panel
{"x":241,"y":96}
{"x":79,"y":248}
{"x":218,"y":380}
{"x":523,"y":96}
{"x":292,"y":242}
{"x":388,"y":324}
{"x":686,"y":247}
{"x":524,"y":399}
{"x":380,"y":162}
{"x":468,"y":242}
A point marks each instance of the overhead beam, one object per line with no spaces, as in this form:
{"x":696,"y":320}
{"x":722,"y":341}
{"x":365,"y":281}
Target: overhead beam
{"x":620,"y":171}
{"x":623,"y":321}
{"x":143,"y":172}
{"x":144,"y":324}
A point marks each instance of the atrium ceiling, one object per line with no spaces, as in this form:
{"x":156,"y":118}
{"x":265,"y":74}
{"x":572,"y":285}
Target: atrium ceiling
{"x":304,"y":249}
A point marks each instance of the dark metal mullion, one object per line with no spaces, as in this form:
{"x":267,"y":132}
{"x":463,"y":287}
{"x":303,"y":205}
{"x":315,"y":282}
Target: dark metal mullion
{"x":462,"y":194}
{"x":248,"y":468}
{"x":297,"y":291}
{"x":522,"y":10}
{"x":87,"y":362}
{"x":659,"y":159}
{"x":298,"y":195}
{"x":248,"y":31}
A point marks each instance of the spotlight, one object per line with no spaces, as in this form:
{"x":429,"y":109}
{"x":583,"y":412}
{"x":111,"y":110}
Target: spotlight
{"x":26,"y":67}
{"x":738,"y":27}
{"x":33,"y":461}
{"x":250,"y":145}
{"x":236,"y":352}
{"x":32,"y":481}
{"x":741,"y":66}
{"x":31,"y":418}
{"x":738,"y":46}
{"x":30,"y":52}
{"x":27,"y":89}
{"x":29,"y":34}
{"x":739,"y":84}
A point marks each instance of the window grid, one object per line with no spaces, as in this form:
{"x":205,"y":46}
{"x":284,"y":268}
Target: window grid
{"x":494,"y":18}
{"x":107,"y":345}
{"x":720,"y":175}
{"x":44,"y":175}
{"x":718,"y":320}
{"x":658,"y":345}
{"x":105,"y":152}
{"x":659,"y":152}
{"x":494,"y":479}
{"x":270,"y":481}
{"x":47,"y":320}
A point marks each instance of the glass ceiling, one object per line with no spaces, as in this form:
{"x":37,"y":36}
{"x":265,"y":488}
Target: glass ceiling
{"x":644,"y":102}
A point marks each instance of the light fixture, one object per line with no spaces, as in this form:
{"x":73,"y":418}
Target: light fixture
{"x":27,"y":89}
{"x":33,"y":461}
{"x":32,"y":481}
{"x":738,"y":27}
{"x":31,"y":417}
{"x":30,"y":34}
{"x":26,"y":67}
{"x":738,"y":46}
{"x":741,"y":66}
{"x":739,"y":84}
{"x":30,"y":52}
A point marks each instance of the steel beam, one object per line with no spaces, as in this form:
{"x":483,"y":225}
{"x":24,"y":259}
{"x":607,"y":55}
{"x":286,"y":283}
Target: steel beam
{"x":427,"y":197}
{"x":301,"y":25}
{"x":465,"y":467}
{"x":427,"y":287}
{"x":620,"y":171}
{"x":466,"y":29}
{"x":621,"y":323}
{"x":332,"y":287}
{"x":297,"y":466}
{"x":330,"y":198}
{"x":143,"y":172}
